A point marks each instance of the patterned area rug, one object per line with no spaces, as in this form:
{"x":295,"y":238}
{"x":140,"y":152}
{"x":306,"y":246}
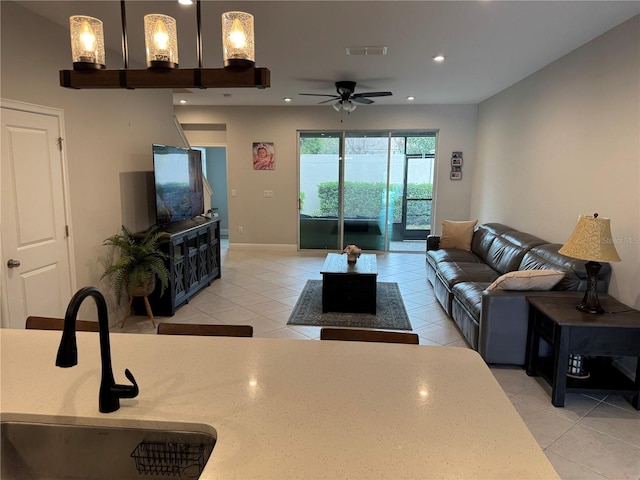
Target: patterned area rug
{"x":391,"y":314}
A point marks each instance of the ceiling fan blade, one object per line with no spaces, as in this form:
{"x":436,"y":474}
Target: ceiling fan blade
{"x":330,"y":100}
{"x":319,"y":95}
{"x":346,"y":96}
{"x":363,"y":100}
{"x":372,"y":94}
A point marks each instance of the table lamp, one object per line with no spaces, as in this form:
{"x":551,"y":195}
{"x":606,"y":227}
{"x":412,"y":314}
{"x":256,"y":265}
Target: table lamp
{"x":591,"y":240}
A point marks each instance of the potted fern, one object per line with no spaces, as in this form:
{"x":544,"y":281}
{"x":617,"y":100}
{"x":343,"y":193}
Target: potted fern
{"x":140,"y":262}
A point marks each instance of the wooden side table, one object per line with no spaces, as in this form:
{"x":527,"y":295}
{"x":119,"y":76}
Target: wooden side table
{"x":570,"y":331}
{"x":349,"y":288}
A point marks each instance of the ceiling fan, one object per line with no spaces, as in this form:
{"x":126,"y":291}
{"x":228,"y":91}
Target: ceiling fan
{"x":346,"y":96}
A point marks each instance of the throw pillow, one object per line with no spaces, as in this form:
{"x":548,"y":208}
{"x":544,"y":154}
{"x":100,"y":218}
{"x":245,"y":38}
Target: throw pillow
{"x":457,"y":234}
{"x":527,"y":280}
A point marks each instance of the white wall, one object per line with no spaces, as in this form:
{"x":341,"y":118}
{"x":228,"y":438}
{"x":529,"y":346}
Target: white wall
{"x":566,"y":141}
{"x":109,"y":134}
{"x":275,"y":220}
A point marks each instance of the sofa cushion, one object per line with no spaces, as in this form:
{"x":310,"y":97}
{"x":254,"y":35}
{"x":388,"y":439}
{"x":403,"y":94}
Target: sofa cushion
{"x":547,"y":256}
{"x":452,"y":255}
{"x":469,"y":294}
{"x":484,"y":236}
{"x":508,"y":249}
{"x":527,"y":280}
{"x":504,"y":256}
{"x":523,"y":239}
{"x":452,"y":273}
{"x":457,"y":234}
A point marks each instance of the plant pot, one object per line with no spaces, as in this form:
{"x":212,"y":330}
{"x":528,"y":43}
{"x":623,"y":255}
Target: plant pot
{"x":352,"y":259}
{"x":144,"y":287}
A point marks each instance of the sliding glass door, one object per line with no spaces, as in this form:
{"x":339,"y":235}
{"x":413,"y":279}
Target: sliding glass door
{"x":365,"y":189}
{"x":372,"y":189}
{"x":415,"y":155}
{"x":416,"y":205}
{"x":320,"y":202}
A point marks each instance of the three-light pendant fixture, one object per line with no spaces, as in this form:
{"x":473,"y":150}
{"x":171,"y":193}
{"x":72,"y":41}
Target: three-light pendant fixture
{"x":161,"y":46}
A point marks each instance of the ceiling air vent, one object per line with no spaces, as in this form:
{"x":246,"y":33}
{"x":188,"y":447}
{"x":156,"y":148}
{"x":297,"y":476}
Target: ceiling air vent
{"x":366,"y":50}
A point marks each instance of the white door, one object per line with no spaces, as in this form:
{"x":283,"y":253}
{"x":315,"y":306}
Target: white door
{"x":36,"y":250}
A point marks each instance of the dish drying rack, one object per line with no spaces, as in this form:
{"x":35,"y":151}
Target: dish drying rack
{"x":171,"y":459}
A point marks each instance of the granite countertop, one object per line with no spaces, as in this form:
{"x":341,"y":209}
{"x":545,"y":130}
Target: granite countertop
{"x":289,"y":408}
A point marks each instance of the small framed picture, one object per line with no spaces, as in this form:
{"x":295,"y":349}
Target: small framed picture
{"x":455,"y":175}
{"x":456,"y":159}
{"x":263,"y":156}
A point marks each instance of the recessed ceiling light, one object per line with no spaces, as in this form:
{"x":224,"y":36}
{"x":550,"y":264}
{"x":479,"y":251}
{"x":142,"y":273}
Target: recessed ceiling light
{"x":183,"y":101}
{"x":185,"y":2}
{"x":411,"y":98}
{"x":287,"y":99}
{"x":438,"y":58}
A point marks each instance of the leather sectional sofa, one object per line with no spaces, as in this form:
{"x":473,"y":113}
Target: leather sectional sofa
{"x":495,"y":322}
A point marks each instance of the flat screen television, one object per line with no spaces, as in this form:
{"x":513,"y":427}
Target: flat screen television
{"x":178,"y":184}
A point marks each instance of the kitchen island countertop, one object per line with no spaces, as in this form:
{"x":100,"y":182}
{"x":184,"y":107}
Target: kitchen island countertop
{"x":289,"y":408}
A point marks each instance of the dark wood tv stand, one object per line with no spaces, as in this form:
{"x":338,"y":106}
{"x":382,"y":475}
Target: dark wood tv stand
{"x":193,"y":247}
{"x":184,"y":225}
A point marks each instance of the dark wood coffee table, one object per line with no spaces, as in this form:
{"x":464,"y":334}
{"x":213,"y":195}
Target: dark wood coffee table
{"x":349,"y":288}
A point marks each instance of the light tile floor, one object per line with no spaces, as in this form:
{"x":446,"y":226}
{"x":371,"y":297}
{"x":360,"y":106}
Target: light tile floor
{"x":592,"y":437}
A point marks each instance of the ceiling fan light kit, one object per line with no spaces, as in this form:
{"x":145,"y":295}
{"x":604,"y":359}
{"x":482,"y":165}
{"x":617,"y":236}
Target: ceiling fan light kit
{"x":161,"y":45}
{"x":347,"y":106}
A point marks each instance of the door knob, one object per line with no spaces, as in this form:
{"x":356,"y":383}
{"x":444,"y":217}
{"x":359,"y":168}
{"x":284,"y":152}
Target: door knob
{"x":13,"y":263}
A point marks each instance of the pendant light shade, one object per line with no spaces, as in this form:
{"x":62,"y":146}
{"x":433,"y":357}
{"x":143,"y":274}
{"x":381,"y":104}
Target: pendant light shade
{"x":238,"y":48}
{"x":87,"y":43}
{"x":161,"y":41}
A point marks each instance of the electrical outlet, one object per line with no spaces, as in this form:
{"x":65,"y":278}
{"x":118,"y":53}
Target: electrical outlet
{"x":268,"y":193}
{"x":241,"y":229}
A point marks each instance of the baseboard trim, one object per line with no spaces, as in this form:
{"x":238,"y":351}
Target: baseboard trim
{"x":276,"y":247}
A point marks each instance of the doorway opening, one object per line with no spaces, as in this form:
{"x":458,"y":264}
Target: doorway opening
{"x":214,"y":168}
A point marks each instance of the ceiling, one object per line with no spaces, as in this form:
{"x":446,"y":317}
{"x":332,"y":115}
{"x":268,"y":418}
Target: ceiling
{"x":488,"y":45}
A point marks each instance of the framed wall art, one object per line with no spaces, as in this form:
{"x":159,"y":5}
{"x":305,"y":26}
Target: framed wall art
{"x":456,"y":166}
{"x":264,"y":156}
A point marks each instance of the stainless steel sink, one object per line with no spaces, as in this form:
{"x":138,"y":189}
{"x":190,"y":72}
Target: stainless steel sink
{"x":53,"y":451}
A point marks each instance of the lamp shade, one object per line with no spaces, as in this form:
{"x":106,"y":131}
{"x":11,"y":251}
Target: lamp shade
{"x":87,"y":43}
{"x":161,"y":41}
{"x":591,"y":240}
{"x":238,"y":48}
